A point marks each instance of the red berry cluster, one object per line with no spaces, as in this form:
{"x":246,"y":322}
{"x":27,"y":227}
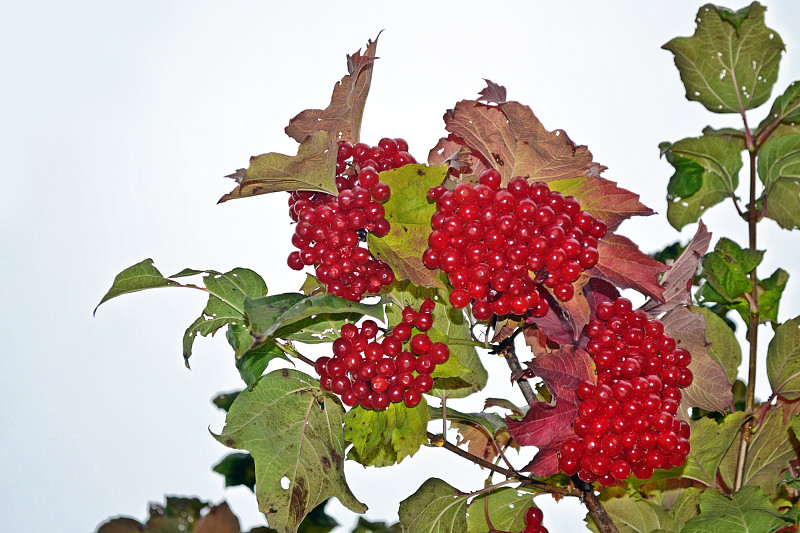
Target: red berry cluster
{"x":627,"y":420}
{"x":498,"y":246}
{"x":374,"y":374}
{"x":330,"y":228}
{"x":533,"y":521}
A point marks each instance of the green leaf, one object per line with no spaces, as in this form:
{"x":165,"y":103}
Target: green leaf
{"x":708,"y":443}
{"x":253,"y":363}
{"x":383,"y":438}
{"x":491,"y":422}
{"x":224,"y":400}
{"x":686,"y":507}
{"x":716,"y":160}
{"x":791,"y":481}
{"x":731,"y":62}
{"x":318,"y":521}
{"x":268,"y":318}
{"x":409,"y":214}
{"x":783,"y":360}
{"x":312,"y":169}
{"x":770,"y":291}
{"x":506,"y":509}
{"x":293,"y":429}
{"x":453,"y":325}
{"x":768,"y":454}
{"x":436,"y":507}
{"x":724,"y":348}
{"x":366,"y":526}
{"x":317,"y":330}
{"x":726,"y":269}
{"x":733,"y":135}
{"x":785,"y":109}
{"x":779,"y":170}
{"x":632,"y":514}
{"x":747,"y":511}
{"x":141,"y":276}
{"x":226,"y":303}
{"x":237,"y":469}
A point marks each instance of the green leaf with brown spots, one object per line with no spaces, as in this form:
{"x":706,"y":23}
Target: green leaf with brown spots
{"x":293,"y":430}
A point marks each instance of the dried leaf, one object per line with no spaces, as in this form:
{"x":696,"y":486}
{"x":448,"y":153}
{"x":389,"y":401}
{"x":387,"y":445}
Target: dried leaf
{"x":677,"y":282}
{"x":342,"y":117}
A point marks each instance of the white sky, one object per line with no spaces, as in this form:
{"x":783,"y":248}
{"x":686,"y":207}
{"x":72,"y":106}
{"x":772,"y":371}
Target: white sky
{"x":119,"y":120}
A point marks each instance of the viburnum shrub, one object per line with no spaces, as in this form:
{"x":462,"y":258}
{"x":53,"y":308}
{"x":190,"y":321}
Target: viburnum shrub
{"x":416,"y":272}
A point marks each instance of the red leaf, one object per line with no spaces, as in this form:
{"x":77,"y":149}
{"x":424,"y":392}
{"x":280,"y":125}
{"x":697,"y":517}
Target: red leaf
{"x":493,"y":93}
{"x":710,"y":389}
{"x":343,"y":115}
{"x":566,"y":327}
{"x":603,"y":199}
{"x":577,"y":309}
{"x":556,"y":325}
{"x":562,"y":370}
{"x":511,"y":139}
{"x":677,"y":282}
{"x":622,"y":264}
{"x":546,"y":428}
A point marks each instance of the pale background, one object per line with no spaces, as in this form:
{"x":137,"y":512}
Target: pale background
{"x":119,"y":120}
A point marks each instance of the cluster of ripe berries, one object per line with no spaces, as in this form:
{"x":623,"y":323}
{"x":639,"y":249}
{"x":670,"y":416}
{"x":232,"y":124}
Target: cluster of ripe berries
{"x":498,"y":246}
{"x":533,"y":521}
{"x":330,"y":228}
{"x":374,"y":374}
{"x":627,"y":420}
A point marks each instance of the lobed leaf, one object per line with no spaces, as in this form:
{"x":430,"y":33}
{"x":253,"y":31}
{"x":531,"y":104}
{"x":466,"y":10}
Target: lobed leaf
{"x":436,"y":507}
{"x":342,"y":117}
{"x":747,"y":511}
{"x":603,"y":199}
{"x":785,"y":109}
{"x":383,"y":438}
{"x":312,"y":169}
{"x":622,"y":264}
{"x":779,"y":170}
{"x":706,"y":172}
{"x":710,"y":389}
{"x":409,"y":214}
{"x":678,"y":280}
{"x":293,"y":429}
{"x":545,"y":427}
{"x":727,"y":268}
{"x":562,"y":370}
{"x":783,"y":360}
{"x":632,"y":514}
{"x":731,"y":62}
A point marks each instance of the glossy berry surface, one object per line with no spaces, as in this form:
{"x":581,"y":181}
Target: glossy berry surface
{"x":507,"y":250}
{"x":375,"y":373}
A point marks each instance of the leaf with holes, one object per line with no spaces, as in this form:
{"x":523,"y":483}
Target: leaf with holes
{"x":710,"y":388}
{"x":506,"y":508}
{"x":779,"y":170}
{"x":706,"y":173}
{"x":409,"y":214}
{"x":293,"y":430}
{"x":678,"y":280}
{"x":622,"y":264}
{"x":510,"y":138}
{"x":783,"y":360}
{"x":603,"y":199}
{"x":731,"y":62}
{"x":436,"y":507}
{"x":312,"y":169}
{"x":342,"y":117}
{"x":747,"y":511}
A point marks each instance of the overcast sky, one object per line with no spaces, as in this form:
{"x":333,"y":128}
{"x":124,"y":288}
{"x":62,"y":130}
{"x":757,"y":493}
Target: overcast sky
{"x":119,"y":120}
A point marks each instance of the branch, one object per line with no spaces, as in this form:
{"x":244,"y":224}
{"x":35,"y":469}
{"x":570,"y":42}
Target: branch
{"x":506,"y":349}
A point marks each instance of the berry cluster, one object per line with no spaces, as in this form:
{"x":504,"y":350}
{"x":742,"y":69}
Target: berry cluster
{"x":533,"y":521}
{"x":498,"y":246}
{"x":330,"y":228}
{"x":627,"y":420}
{"x":374,"y":374}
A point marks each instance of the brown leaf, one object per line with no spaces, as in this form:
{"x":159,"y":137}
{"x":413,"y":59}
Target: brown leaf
{"x":121,"y":525}
{"x":603,"y":199}
{"x":454,"y":152}
{"x":503,"y":404}
{"x":343,"y":115}
{"x":492,"y":93}
{"x":219,"y":519}
{"x":479,"y":443}
{"x":622,"y":264}
{"x":312,"y":169}
{"x":504,"y":329}
{"x":710,"y":388}
{"x":511,"y":139}
{"x":535,"y":340}
{"x":677,"y":282}
{"x":577,"y":309}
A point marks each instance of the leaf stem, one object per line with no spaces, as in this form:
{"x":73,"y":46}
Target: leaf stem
{"x":288,"y":349}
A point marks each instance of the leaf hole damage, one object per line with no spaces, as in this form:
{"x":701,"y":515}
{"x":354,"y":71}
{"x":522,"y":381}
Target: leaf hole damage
{"x":285,"y":373}
{"x":285,"y":483}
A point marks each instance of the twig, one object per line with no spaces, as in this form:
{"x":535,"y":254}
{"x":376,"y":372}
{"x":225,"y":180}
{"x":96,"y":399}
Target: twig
{"x":288,"y":349}
{"x":506,"y":349}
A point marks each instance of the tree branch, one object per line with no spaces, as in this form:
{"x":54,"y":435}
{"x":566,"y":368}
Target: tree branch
{"x":506,"y":349}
